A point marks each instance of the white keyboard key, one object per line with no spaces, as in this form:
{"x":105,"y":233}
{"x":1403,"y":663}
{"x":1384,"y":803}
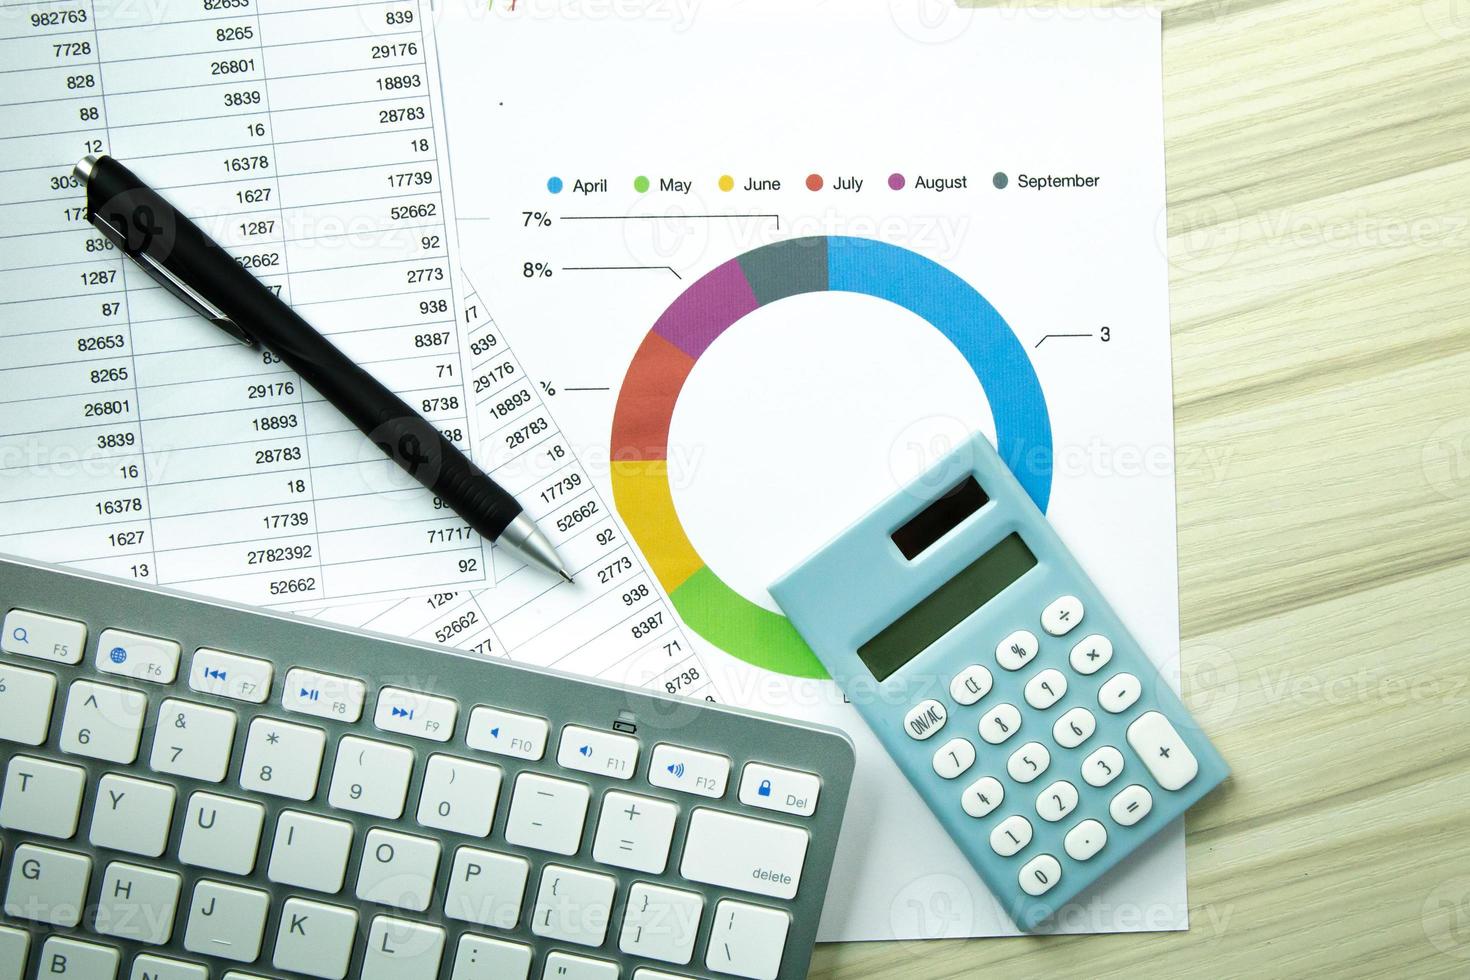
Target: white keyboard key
{"x":398,"y":870}
{"x":1000,"y":723}
{"x":47,"y":886}
{"x":547,"y":814}
{"x":925,"y":719}
{"x":783,"y":790}
{"x":983,"y":796}
{"x":315,"y":939}
{"x":1103,"y":766}
{"x":1131,"y":805}
{"x":749,"y":855}
{"x":954,"y":758}
{"x":689,"y":771}
{"x":483,"y":958}
{"x":1163,"y":752}
{"x":282,"y":759}
{"x":487,"y":888}
{"x":310,"y":851}
{"x":371,"y":777}
{"x":971,"y":684}
{"x":1056,"y":801}
{"x":137,"y":903}
{"x":1092,"y":654}
{"x":26,"y":698}
{"x":459,"y":796}
{"x":573,"y":906}
{"x":1017,"y":650}
{"x":600,"y":753}
{"x":103,"y":722}
{"x":311,"y":692}
{"x":30,"y":634}
{"x":635,"y":832}
{"x":226,"y":921}
{"x":143,"y":658}
{"x":747,"y":940}
{"x":661,"y":923}
{"x":1028,"y":762}
{"x":398,"y":949}
{"x":193,"y":740}
{"x":1040,"y":875}
{"x":15,"y":944}
{"x":221,"y":833}
{"x":1010,"y":835}
{"x":1062,"y":616}
{"x":151,"y":967}
{"x":132,"y":815}
{"x":229,"y":675}
{"x":1085,"y":840}
{"x":507,"y":733}
{"x":567,"y":966}
{"x":72,"y":959}
{"x":1119,"y":693}
{"x":42,"y":797}
{"x":1046,"y":689}
{"x":1074,"y":727}
{"x":415,"y":713}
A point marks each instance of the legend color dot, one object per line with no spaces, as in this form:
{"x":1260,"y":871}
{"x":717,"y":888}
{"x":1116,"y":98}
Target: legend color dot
{"x":554,"y":185}
{"x":896,"y":181}
{"x":727,"y":183}
{"x":640,"y":184}
{"x":814,"y":182}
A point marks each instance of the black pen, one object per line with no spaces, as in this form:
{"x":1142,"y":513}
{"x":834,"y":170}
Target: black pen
{"x":187,"y":262}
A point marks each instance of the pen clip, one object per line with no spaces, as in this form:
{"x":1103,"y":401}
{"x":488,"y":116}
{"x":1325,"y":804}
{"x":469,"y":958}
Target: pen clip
{"x":174,"y":284}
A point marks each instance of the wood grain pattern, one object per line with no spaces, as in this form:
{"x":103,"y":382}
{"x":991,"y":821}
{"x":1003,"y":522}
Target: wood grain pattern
{"x":1319,"y":238}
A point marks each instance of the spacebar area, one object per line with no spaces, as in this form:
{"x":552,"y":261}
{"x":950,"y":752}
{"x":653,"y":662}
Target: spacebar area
{"x":757,"y":856}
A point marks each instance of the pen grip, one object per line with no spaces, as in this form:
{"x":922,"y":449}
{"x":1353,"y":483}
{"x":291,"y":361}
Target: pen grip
{"x":147,"y":223}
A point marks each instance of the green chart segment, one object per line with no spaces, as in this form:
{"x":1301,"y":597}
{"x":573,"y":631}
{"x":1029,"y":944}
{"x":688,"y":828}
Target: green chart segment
{"x":715,"y":303}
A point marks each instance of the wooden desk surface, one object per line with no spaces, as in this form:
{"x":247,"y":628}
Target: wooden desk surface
{"x":1319,"y":236}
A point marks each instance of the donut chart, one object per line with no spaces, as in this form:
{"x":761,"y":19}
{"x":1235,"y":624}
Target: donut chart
{"x":715,"y":303}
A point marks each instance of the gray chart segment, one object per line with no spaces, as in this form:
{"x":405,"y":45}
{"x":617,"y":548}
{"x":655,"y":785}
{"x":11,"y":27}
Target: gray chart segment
{"x":786,"y":268}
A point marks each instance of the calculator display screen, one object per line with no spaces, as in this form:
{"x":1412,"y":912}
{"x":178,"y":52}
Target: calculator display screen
{"x":948,"y":606}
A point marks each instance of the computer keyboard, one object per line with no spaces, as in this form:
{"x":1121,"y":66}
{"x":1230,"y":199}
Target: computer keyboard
{"x":194,"y":789}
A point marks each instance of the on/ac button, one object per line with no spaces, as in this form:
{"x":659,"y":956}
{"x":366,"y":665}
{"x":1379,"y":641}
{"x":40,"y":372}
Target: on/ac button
{"x":782,"y":790}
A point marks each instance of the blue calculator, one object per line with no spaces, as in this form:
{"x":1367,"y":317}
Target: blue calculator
{"x":1000,"y":680}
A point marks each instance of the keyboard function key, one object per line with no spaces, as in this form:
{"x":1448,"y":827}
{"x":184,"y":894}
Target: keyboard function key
{"x":547,"y":814}
{"x":1056,"y":801}
{"x":1102,"y":766}
{"x":103,"y":722}
{"x":487,"y":887}
{"x":193,"y":740}
{"x":1062,"y":616}
{"x":26,"y":700}
{"x":508,"y":733}
{"x":32,"y":634}
{"x":661,"y":923}
{"x":282,"y":759}
{"x":1028,"y":762}
{"x":1085,"y":840}
{"x":1017,"y":650}
{"x":597,"y":752}
{"x":782,"y":790}
{"x":132,"y":815}
{"x":747,"y":940}
{"x":459,"y":796}
{"x":229,"y":675}
{"x":954,"y":758}
{"x":1010,"y":835}
{"x":1046,"y":689}
{"x":1040,"y":875}
{"x":687,"y":770}
{"x":635,"y":832}
{"x":1163,"y":752}
{"x":370,"y":777}
{"x":1119,"y":693}
{"x":310,"y":851}
{"x":743,"y":853}
{"x":42,"y":797}
{"x":1000,"y":723}
{"x":925,"y":719}
{"x":1092,"y":654}
{"x":310,"y":692}
{"x":1074,"y":727}
{"x":1131,"y":805}
{"x":47,"y":886}
{"x":573,"y":906}
{"x":982,"y":796}
{"x":405,"y":712}
{"x":143,"y":658}
{"x":971,"y":684}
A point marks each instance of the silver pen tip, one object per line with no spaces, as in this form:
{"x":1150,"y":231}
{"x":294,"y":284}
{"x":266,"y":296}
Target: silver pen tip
{"x":84,"y":167}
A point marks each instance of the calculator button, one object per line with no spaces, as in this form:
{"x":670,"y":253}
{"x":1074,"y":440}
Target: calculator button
{"x":487,"y":887}
{"x":310,"y":852}
{"x":398,"y":869}
{"x":459,"y":796}
{"x":1040,"y":875}
{"x":370,"y":777}
{"x":507,"y":733}
{"x":193,"y":740}
{"x":983,"y":796}
{"x":282,"y":759}
{"x":1119,"y":693}
{"x":1085,"y":840}
{"x":143,"y":658}
{"x":1056,"y":801}
{"x":1074,"y":728}
{"x":1163,"y":752}
{"x":731,"y":851}
{"x":1062,"y":616}
{"x":1131,"y":805}
{"x":635,"y":832}
{"x":30,"y":634}
{"x":405,"y":712}
{"x":1017,"y":650}
{"x":573,"y":906}
{"x":483,"y":958}
{"x":782,"y":790}
{"x":229,"y":675}
{"x":547,"y":814}
{"x":1000,"y":723}
{"x":970,"y":685}
{"x":661,"y":923}
{"x":1103,"y":766}
{"x":1046,"y":689}
{"x":310,"y":692}
{"x":747,"y":940}
{"x":1010,"y":835}
{"x":1092,"y":654}
{"x":103,"y":722}
{"x":600,"y":753}
{"x":26,"y":697}
{"x":689,"y":771}
{"x":925,"y":719}
{"x":954,"y":758}
{"x":1028,"y":762}
{"x":42,"y":797}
